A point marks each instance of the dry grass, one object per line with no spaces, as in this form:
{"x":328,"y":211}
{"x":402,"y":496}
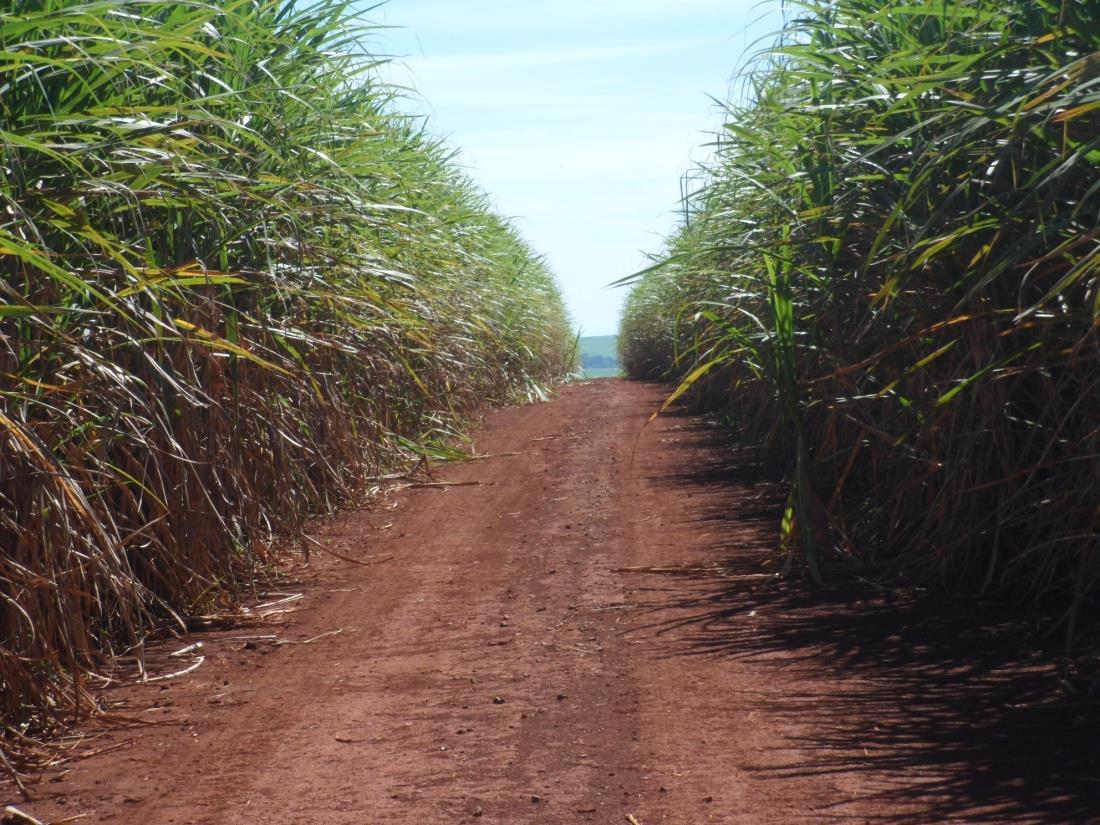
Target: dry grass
{"x":892,"y":279}
{"x":235,"y":281}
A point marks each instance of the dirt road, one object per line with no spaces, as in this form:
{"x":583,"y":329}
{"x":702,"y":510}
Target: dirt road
{"x":583,"y":635}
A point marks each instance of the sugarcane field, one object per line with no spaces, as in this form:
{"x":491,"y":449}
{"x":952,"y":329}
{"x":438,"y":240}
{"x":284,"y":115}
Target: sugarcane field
{"x":440,"y":412}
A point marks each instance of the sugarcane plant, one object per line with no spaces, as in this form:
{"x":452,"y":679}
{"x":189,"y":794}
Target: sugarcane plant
{"x":890,"y":280}
{"x":236,"y":281}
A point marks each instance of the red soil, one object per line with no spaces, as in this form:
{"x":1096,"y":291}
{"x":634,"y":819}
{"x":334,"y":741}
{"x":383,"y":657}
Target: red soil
{"x":508,"y":666}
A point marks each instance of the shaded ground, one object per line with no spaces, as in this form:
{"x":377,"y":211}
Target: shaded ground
{"x":584,"y":636}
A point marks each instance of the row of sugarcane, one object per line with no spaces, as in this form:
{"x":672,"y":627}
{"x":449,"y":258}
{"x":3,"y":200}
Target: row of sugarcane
{"x":236,"y":282}
{"x":891,"y":279}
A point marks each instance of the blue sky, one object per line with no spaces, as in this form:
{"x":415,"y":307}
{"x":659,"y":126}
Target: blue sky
{"x":578,"y":116}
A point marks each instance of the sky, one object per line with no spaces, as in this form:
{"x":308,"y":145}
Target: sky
{"x":578,"y":117}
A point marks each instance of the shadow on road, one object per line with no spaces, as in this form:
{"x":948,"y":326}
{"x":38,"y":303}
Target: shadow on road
{"x":934,"y":702}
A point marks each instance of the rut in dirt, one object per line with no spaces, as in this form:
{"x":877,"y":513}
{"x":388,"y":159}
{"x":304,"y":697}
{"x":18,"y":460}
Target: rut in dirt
{"x":582,"y":629}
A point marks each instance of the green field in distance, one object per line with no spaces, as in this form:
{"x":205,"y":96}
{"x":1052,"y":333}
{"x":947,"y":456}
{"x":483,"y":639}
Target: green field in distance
{"x":600,"y":356}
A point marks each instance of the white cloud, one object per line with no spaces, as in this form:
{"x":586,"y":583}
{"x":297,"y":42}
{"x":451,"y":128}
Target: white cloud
{"x":565,"y":13}
{"x":578,"y":116}
{"x":661,"y":155}
{"x":449,"y":64}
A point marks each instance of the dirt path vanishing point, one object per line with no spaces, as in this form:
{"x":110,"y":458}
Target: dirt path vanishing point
{"x":583,"y":636}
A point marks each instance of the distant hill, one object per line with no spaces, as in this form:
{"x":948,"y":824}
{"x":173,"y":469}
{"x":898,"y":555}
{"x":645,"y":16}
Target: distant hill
{"x":600,"y":356}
